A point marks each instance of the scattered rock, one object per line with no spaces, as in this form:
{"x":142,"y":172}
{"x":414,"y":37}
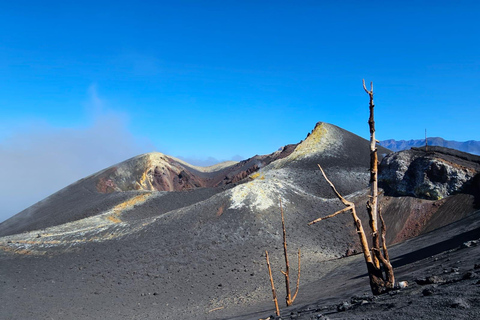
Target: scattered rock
{"x":435,"y":279}
{"x":428,"y":291}
{"x":392,"y":293}
{"x":471,"y":243}
{"x":470,"y":275}
{"x":430,"y":280}
{"x":460,"y":303}
{"x":350,"y":252}
{"x":344,"y":306}
{"x":360,"y":299}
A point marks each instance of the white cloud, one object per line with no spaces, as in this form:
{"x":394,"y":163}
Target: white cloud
{"x":41,"y":160}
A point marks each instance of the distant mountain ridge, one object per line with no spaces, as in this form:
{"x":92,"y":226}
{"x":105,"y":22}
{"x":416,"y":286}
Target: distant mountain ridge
{"x":470,"y":146}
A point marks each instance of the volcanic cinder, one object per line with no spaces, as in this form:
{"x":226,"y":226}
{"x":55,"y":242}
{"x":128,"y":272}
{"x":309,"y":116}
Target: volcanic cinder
{"x":157,"y":238}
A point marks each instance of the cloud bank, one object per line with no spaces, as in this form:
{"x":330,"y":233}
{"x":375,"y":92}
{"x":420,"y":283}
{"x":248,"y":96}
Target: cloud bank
{"x":39,"y":159}
{"x":42,"y":160}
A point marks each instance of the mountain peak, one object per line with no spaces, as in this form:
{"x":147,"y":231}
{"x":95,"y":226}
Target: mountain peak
{"x":323,"y":137}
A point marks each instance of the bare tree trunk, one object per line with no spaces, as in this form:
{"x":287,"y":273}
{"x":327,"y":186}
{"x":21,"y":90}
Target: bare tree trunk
{"x":372,"y":206}
{"x":286,"y":273}
{"x":288,"y":298}
{"x":274,"y":293}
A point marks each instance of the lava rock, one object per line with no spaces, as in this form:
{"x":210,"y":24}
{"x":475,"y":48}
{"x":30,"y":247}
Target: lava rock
{"x":469,"y":244}
{"x":427,"y":175}
{"x":428,"y":291}
{"x":460,"y":303}
{"x":430,"y":280}
{"x":470,"y":275}
{"x":344,"y":306}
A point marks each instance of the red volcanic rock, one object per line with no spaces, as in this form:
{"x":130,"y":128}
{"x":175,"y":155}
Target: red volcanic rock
{"x":156,"y":171}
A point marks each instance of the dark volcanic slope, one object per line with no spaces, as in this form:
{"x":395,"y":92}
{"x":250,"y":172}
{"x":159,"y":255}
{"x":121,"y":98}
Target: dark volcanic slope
{"x":193,"y":254}
{"x":451,"y":255}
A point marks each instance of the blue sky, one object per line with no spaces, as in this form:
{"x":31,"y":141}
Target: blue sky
{"x":86,"y":84}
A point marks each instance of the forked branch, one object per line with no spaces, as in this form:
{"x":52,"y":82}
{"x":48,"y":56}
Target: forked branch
{"x":370,"y":92}
{"x":350,"y":206}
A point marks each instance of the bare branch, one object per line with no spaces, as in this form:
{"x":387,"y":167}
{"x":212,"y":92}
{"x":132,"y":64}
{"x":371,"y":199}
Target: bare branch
{"x":274,"y":293}
{"x":215,"y":309}
{"x":286,"y":273}
{"x":298,"y":278}
{"x":384,"y":231}
{"x":364,"y":87}
{"x":358,"y":223}
{"x":330,"y":216}
{"x":344,"y":201}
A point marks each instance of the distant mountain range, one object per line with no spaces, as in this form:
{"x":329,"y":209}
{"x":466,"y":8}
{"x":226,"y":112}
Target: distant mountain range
{"x":470,"y":146}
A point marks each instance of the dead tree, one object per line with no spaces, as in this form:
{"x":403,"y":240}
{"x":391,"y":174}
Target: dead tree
{"x":274,"y":293}
{"x":381,"y":255}
{"x":380,"y":270}
{"x":288,"y":299}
